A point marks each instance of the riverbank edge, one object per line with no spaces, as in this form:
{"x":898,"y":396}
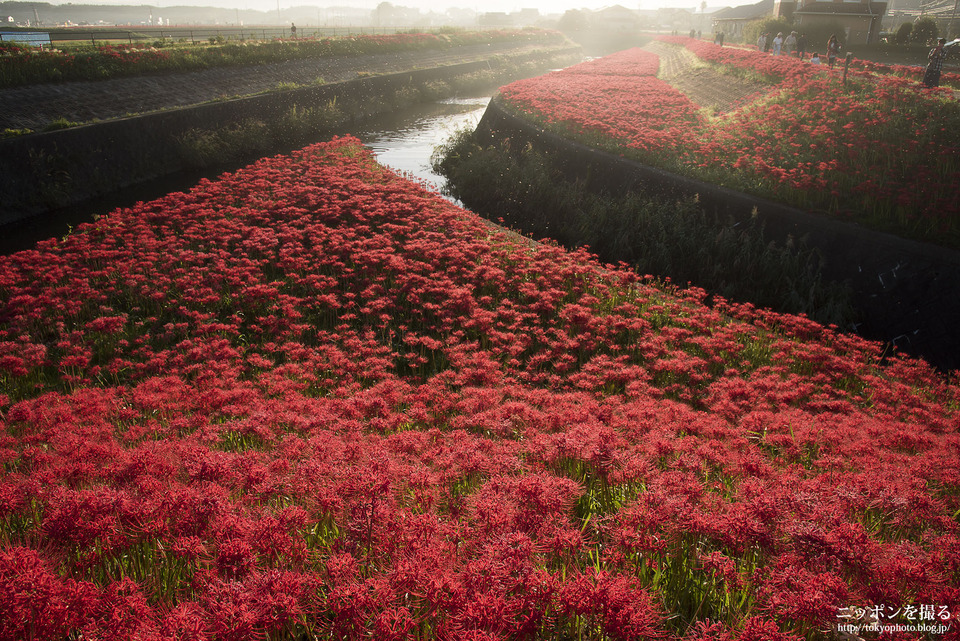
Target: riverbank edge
{"x":907,"y":292}
{"x":43,"y":171}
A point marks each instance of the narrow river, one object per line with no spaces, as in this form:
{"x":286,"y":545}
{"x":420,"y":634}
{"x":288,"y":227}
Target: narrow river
{"x":402,"y":141}
{"x":405,"y":144}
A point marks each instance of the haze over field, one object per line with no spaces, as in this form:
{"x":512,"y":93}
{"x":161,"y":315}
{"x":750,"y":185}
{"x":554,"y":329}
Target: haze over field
{"x":545,"y":7}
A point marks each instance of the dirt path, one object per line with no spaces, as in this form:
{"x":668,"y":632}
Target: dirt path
{"x":34,"y":107}
{"x":701,"y":84}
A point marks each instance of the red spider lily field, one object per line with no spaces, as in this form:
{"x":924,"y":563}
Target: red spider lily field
{"x":312,"y":399}
{"x":877,"y":148}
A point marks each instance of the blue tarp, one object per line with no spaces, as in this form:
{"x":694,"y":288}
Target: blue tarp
{"x":35,"y":38}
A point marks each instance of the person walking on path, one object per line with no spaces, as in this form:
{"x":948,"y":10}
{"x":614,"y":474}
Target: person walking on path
{"x":833,"y":50}
{"x":293,"y":30}
{"x":802,"y":45}
{"x":762,"y":42}
{"x":790,"y":43}
{"x":931,"y":77}
{"x":777,"y":44}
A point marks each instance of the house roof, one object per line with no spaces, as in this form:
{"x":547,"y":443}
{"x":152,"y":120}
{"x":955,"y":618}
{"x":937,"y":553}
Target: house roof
{"x":761,"y":9}
{"x":616,"y":10}
{"x":845,"y":8}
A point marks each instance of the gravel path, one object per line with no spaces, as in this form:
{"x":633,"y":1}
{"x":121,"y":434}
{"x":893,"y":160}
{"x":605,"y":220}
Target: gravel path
{"x":35,"y":106}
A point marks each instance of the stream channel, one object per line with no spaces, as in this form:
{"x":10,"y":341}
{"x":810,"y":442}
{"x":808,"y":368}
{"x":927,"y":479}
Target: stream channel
{"x":403,"y":141}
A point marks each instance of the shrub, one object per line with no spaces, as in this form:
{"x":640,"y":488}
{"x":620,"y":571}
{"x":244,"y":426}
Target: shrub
{"x":60,"y":123}
{"x":925,"y":31}
{"x":9,"y":46}
{"x":904,"y":33}
{"x":768,"y":25}
{"x":300,"y":123}
{"x":203,"y":148}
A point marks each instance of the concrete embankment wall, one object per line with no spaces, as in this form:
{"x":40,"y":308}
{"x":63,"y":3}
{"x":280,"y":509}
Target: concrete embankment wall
{"x":43,"y":171}
{"x":907,"y":292}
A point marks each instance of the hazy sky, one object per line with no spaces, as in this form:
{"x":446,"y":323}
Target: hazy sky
{"x":544,"y":6}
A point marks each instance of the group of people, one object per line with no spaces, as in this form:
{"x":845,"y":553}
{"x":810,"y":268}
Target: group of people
{"x":792,"y":45}
{"x":796,"y":45}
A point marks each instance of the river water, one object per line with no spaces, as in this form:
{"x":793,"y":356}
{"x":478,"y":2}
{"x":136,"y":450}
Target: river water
{"x":402,"y":141}
{"x":405,"y":144}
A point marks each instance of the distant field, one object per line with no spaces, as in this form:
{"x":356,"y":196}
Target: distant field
{"x":189,"y":50}
{"x":71,"y":36}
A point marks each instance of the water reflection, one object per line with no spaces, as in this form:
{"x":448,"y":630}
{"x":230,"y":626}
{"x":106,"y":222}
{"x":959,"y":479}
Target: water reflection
{"x":406,"y":144}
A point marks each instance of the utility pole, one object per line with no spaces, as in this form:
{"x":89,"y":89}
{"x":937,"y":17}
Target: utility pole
{"x":953,"y":19}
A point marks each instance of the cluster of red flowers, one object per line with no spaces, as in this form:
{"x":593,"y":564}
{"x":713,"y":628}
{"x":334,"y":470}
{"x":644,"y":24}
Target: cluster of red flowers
{"x":107,"y":57}
{"x":913,"y":72}
{"x":778,"y":68}
{"x":313,"y":398}
{"x":775,"y":68}
{"x":880,"y":149}
{"x":617,"y":97}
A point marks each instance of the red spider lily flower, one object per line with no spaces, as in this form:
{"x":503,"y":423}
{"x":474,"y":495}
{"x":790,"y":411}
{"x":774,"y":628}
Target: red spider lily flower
{"x":311,"y":398}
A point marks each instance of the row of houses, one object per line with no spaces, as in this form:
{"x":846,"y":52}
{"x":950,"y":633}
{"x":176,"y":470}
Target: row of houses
{"x":859,"y":20}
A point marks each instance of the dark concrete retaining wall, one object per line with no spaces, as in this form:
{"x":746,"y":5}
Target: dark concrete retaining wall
{"x":41,"y":171}
{"x":907,"y":292}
